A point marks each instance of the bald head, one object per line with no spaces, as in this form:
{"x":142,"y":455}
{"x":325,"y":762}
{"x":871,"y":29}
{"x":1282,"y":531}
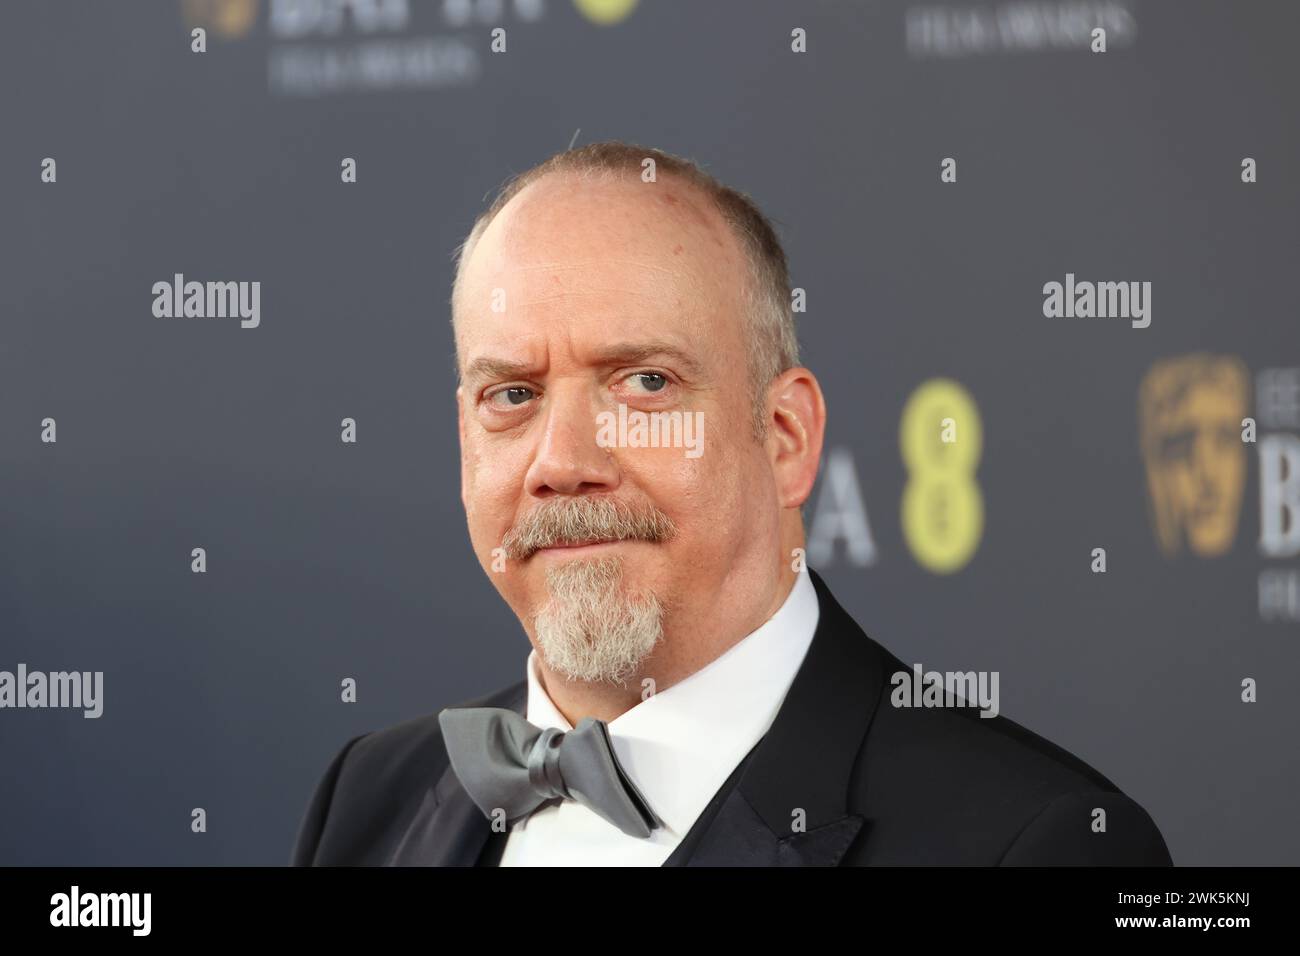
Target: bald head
{"x":604,"y":253}
{"x":663,"y":192}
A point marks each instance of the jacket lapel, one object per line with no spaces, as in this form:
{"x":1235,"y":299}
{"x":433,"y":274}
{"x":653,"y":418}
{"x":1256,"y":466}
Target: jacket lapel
{"x":449,"y":829}
{"x":803,"y":763}
{"x":738,"y":836}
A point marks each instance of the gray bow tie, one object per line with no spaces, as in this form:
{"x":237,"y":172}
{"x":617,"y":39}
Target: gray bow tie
{"x":506,"y":763}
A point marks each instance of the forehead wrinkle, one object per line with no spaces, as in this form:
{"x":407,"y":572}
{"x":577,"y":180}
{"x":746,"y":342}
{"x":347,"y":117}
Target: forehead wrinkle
{"x":689,"y":283}
{"x":539,"y":300}
{"x":582,"y":263}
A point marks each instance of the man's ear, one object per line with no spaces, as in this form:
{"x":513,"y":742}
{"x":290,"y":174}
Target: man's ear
{"x":796,"y":428}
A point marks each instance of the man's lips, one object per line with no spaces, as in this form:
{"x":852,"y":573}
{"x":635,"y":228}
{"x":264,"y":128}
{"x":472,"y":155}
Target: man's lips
{"x":578,"y":545}
{"x":584,"y":546}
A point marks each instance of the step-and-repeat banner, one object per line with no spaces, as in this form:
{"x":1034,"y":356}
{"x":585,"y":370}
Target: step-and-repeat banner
{"x":233,"y":538}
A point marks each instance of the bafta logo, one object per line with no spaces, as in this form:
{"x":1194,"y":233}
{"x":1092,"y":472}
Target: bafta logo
{"x":226,"y":18}
{"x":1190,"y":409}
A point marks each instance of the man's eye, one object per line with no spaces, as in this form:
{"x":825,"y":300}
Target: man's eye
{"x":651,"y":381}
{"x":515,"y":395}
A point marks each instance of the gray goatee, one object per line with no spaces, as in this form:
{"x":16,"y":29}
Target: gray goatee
{"x":592,"y":629}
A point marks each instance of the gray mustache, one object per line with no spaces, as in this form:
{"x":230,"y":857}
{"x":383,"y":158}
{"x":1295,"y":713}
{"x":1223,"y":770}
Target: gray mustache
{"x":562,"y":521}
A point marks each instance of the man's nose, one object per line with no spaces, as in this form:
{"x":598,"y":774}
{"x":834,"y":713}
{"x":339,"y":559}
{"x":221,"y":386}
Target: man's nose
{"x":568,"y":459}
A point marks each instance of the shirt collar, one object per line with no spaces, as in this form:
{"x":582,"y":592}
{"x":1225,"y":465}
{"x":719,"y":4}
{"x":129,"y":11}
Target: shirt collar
{"x":679,"y":745}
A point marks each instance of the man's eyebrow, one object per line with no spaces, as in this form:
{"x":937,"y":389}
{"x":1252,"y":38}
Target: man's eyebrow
{"x":624,"y":353}
{"x":631,"y":353}
{"x":495,"y":368}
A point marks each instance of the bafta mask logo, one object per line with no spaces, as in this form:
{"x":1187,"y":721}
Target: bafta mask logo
{"x":230,"y":19}
{"x":1190,"y":409}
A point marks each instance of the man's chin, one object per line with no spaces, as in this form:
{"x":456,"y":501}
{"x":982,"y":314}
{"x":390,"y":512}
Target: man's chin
{"x":591,"y":627}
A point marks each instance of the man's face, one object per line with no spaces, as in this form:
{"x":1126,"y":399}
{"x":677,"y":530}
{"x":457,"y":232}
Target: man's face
{"x":578,"y":298}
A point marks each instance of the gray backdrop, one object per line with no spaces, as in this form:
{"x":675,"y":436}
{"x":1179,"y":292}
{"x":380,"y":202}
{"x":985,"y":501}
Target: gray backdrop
{"x":329,"y":560}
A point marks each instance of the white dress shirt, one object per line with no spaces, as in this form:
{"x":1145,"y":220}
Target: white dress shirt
{"x":678,"y":746}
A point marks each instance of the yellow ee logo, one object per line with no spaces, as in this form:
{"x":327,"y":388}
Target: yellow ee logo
{"x":943,"y":511}
{"x":605,"y":12}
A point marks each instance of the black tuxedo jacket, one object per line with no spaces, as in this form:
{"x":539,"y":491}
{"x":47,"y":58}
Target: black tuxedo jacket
{"x":878,"y":785}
